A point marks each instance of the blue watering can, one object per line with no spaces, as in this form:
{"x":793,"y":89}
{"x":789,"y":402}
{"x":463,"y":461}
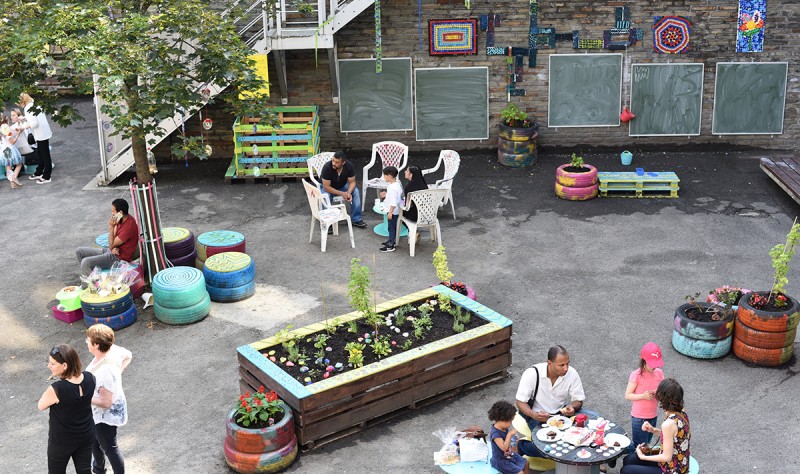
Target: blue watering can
{"x":626,"y":157}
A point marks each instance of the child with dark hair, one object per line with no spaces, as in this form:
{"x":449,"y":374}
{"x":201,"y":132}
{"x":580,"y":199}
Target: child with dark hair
{"x":504,"y":440}
{"x":394,"y":196}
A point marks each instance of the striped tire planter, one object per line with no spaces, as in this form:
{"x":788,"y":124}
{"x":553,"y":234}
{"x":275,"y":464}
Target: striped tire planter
{"x":699,"y":348}
{"x":115,"y":322}
{"x":576,"y":194}
{"x":759,"y":356}
{"x":184,"y":261}
{"x":273,"y":461}
{"x":576,"y":180}
{"x":186,"y":315}
{"x":705,"y":330}
{"x":763,"y":339}
{"x":218,"y":241}
{"x":96,"y":306}
{"x":768,"y":321}
{"x":179,"y":287}
{"x":230,"y":295}
{"x":229,"y":270}
{"x":261,"y":440}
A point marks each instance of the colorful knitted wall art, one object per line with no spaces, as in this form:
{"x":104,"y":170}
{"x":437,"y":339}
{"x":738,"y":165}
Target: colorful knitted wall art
{"x":378,"y":39}
{"x":671,"y":34}
{"x":752,"y":20}
{"x":449,"y":37}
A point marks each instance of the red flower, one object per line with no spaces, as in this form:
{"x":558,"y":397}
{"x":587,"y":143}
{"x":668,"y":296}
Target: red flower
{"x":271,"y":396}
{"x":244,"y":403}
{"x":246,"y":394}
{"x":261,"y":389}
{"x":249,"y":409}
{"x":258,"y":401}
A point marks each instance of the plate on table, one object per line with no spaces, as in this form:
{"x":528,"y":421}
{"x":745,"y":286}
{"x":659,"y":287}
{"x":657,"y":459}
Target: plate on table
{"x":560,"y":422}
{"x":541,"y":435}
{"x":612,"y":438}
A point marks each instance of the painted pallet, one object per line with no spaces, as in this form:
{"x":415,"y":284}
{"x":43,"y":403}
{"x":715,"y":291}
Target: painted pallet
{"x":662,"y":184}
{"x":352,"y":401}
{"x":231,"y":176}
{"x":785,"y":171}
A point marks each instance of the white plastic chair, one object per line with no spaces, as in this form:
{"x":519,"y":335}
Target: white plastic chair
{"x":428,"y":203}
{"x":315,"y":164}
{"x":451,"y":161}
{"x":391,"y":154}
{"x":326,"y":214}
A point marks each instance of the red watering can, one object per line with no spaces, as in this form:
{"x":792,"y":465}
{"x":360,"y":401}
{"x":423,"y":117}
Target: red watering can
{"x":626,"y":115}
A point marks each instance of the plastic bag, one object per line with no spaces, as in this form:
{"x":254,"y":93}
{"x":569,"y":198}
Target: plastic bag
{"x":448,"y":454}
{"x":472,"y":450}
{"x":116,"y":280}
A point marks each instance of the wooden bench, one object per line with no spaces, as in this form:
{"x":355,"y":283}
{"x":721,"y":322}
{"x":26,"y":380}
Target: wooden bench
{"x":632,"y":184}
{"x":786,"y":172}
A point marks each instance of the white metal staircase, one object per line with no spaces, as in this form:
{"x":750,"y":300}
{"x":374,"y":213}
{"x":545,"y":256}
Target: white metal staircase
{"x":266,"y":26}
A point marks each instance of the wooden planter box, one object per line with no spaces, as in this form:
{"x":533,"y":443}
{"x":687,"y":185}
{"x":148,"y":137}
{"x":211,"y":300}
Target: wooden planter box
{"x":351,"y":401}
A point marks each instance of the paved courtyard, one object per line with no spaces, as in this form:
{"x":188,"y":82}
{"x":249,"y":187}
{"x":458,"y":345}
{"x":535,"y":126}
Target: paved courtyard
{"x":600,"y":277}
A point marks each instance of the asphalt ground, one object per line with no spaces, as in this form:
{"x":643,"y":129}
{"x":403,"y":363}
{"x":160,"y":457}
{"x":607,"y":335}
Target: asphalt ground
{"x":599,"y":277}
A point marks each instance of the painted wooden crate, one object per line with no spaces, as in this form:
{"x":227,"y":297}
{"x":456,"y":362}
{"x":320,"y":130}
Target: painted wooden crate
{"x":631,"y":184}
{"x":262,"y":150}
{"x":351,"y":401}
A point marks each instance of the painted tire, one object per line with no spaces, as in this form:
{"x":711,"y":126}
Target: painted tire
{"x":137,"y":288}
{"x":218,"y":241}
{"x":199,"y":263}
{"x":115,"y":322}
{"x":576,"y":194}
{"x":229,"y":270}
{"x":262,"y":440}
{"x":230,"y":295}
{"x":516,"y":147}
{"x":705,"y":330}
{"x":700,"y":349}
{"x":471,"y":294}
{"x":181,"y":251}
{"x":759,"y":356}
{"x":273,"y":461}
{"x":179,"y":287}
{"x":173,"y":235}
{"x":185,"y":261}
{"x":768,"y":321}
{"x":762,"y":339}
{"x":102,"y":240}
{"x":576,"y":180}
{"x":187,"y":315}
{"x":97,"y":306}
{"x":181,"y":247}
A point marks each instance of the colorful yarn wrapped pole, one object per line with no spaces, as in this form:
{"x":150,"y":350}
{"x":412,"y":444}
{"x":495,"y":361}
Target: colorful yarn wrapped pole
{"x":151,"y":245}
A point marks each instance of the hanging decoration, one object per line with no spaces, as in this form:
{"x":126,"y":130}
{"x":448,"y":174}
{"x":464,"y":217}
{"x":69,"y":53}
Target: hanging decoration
{"x":451,"y":37}
{"x":205,"y":94}
{"x":378,"y":41}
{"x":208,"y":149}
{"x":622,"y":36}
{"x":419,"y":22}
{"x":752,"y":20}
{"x":671,"y":34}
{"x":468,"y":4}
{"x":255,"y":149}
{"x":207,"y":124}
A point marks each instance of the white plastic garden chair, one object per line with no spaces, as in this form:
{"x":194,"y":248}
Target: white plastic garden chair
{"x":326,"y":214}
{"x":428,"y":202}
{"x":315,"y":164}
{"x":451,"y":161}
{"x":391,"y":154}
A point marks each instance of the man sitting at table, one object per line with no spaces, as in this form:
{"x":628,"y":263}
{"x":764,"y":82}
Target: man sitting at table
{"x":339,"y":179}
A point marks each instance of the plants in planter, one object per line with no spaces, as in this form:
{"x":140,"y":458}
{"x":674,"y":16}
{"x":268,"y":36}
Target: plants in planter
{"x":260,"y":434}
{"x":727,"y":296}
{"x":766,"y":322}
{"x":445,"y":276}
{"x":576,"y":180}
{"x":702,"y":330}
{"x":516,"y":145}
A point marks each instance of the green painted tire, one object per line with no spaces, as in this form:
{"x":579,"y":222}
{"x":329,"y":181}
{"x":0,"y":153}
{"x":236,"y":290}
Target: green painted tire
{"x":187,"y":315}
{"x":179,"y":287}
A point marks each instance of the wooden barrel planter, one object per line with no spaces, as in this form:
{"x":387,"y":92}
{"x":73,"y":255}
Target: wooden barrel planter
{"x":765,"y":337}
{"x":701,"y":339}
{"x":573,"y":184}
{"x":516,"y":146}
{"x":260,"y":450}
{"x":354,"y":400}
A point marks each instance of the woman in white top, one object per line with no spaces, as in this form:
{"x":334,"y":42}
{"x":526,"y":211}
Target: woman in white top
{"x":40,"y":128}
{"x":109,"y":406}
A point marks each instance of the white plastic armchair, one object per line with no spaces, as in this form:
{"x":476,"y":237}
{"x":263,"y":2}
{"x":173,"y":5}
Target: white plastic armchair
{"x":326,"y":214}
{"x":391,"y":154}
{"x":315,"y":164}
{"x":428,"y":203}
{"x":451,"y":161}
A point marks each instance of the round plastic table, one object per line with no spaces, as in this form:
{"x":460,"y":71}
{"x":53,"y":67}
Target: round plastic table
{"x":566,"y":456}
{"x":382,"y":229}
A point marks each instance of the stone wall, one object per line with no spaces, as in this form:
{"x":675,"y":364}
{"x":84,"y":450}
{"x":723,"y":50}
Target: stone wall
{"x":713,"y":38}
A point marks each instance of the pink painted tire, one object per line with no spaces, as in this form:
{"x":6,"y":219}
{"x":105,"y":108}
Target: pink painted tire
{"x":576,"y":180}
{"x":576,"y":194}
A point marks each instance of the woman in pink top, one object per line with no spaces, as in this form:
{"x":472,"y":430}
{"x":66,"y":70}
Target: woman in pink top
{"x":642,"y":385}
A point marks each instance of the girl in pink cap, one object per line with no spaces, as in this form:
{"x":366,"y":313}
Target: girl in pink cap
{"x":642,"y":385}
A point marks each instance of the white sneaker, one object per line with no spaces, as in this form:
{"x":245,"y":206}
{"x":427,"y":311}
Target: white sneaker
{"x":35,"y":176}
{"x":43,"y":181}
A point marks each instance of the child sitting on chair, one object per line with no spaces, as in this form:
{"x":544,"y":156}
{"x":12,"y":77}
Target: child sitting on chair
{"x":504,"y":440}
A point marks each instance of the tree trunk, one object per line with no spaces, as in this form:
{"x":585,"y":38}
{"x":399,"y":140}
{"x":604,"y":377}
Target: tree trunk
{"x":139,"y":147}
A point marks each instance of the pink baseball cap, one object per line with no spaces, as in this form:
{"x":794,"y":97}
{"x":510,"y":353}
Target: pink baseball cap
{"x":651,"y":354}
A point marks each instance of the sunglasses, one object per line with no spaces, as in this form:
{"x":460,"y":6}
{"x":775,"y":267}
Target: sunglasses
{"x":55,"y":353}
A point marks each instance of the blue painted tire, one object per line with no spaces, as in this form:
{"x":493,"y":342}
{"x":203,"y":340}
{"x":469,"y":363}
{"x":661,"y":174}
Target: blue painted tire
{"x":229,"y":270}
{"x":179,"y":287}
{"x":700,"y":349}
{"x":185,"y":261}
{"x":705,"y":330}
{"x":187,"y":315}
{"x":229,"y":295}
{"x":115,"y":322}
{"x":103,"y":308}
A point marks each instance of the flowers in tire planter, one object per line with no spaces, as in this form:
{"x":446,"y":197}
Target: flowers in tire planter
{"x":781,"y":255}
{"x":576,"y":181}
{"x":259,"y":409}
{"x":726,"y":295}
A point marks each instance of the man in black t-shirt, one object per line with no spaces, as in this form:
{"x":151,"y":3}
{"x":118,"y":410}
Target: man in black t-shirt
{"x":339,"y":179}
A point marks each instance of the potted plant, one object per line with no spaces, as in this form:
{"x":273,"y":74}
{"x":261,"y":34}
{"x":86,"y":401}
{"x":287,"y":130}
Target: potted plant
{"x":445,"y":276}
{"x":727,"y":296}
{"x":305,"y":8}
{"x":516,"y":146}
{"x":576,"y":181}
{"x":702,"y":330}
{"x":260,"y":434}
{"x":766,"y":322}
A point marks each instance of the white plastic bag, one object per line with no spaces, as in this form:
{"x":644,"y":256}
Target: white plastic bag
{"x":473,"y":450}
{"x":448,"y":454}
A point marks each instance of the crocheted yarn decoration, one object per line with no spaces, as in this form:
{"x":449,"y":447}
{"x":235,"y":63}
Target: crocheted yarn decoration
{"x":450,"y":37}
{"x":671,"y":34}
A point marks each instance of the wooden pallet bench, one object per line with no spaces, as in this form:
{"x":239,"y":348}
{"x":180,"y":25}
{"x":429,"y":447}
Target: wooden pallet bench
{"x":631,"y":184}
{"x":786,"y":172}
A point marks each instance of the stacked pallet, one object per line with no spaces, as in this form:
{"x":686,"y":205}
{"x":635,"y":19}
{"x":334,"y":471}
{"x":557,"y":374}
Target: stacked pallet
{"x":638,"y":184}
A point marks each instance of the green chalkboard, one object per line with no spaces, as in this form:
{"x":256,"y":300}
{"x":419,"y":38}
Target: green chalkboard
{"x":370,"y":102}
{"x":452,"y":103}
{"x":585,"y":90}
{"x":666,"y":98}
{"x":749,"y":98}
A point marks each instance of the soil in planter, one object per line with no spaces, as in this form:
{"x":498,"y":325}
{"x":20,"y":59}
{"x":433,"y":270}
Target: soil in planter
{"x":442,"y":327}
{"x":704,"y":315}
{"x":261,"y":424}
{"x":577,"y":169}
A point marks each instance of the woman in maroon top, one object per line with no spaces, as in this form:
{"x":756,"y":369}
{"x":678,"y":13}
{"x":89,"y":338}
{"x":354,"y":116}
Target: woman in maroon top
{"x":70,"y":402}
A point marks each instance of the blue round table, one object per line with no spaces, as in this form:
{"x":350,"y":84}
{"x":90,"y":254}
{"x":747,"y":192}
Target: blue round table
{"x":382,"y":229}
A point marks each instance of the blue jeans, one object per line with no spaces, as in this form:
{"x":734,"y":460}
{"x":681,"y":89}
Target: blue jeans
{"x":527,"y":448}
{"x":393,"y":229}
{"x":355,"y":206}
{"x":637,"y":435}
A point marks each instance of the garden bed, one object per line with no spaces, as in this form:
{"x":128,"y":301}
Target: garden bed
{"x":357,"y":398}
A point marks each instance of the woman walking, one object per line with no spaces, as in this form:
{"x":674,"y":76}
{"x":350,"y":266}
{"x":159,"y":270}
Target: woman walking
{"x":38,"y":125}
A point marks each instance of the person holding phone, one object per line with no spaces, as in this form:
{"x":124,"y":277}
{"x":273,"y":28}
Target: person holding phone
{"x":123,"y":237}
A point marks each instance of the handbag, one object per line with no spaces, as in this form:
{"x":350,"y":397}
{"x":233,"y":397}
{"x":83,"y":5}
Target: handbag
{"x":473,"y":450}
{"x":31,"y":139}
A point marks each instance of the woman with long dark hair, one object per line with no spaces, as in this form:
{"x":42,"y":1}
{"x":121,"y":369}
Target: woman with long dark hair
{"x":416,"y":182}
